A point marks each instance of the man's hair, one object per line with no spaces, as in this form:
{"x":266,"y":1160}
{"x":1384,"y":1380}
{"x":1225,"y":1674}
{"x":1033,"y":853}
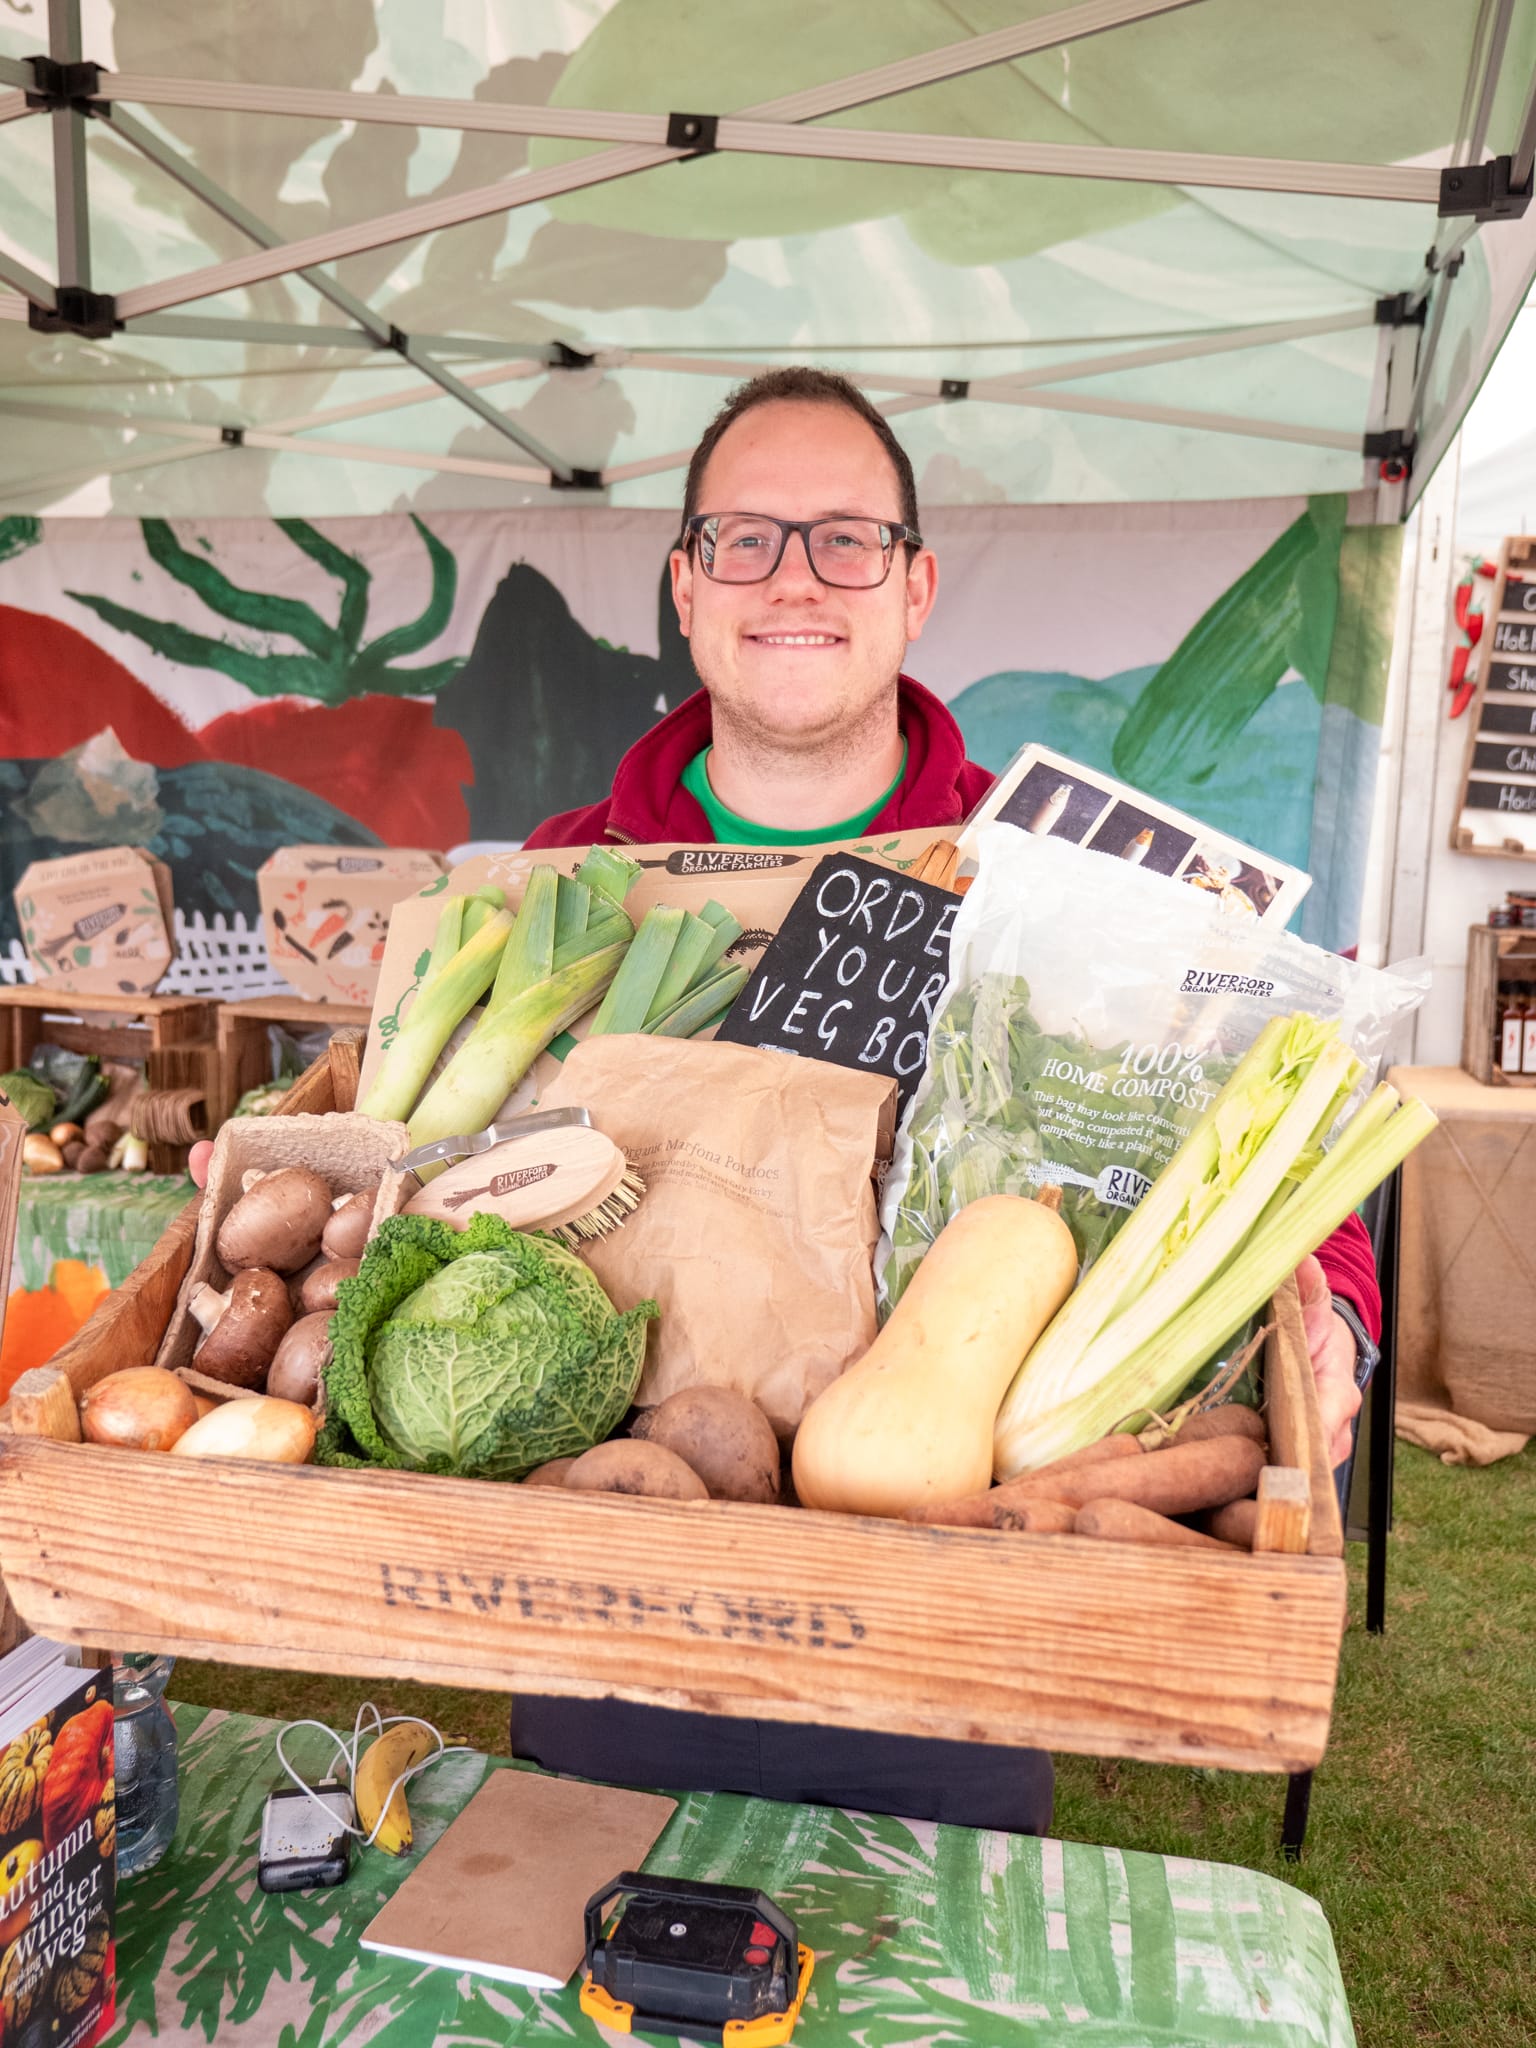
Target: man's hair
{"x":801,"y":385}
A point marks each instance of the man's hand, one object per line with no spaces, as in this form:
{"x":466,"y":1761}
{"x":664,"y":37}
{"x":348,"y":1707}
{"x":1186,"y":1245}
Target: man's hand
{"x":199,"y":1156}
{"x":1331,"y":1343}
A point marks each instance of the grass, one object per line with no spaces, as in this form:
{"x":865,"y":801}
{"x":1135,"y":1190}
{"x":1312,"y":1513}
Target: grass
{"x":1422,"y":1843}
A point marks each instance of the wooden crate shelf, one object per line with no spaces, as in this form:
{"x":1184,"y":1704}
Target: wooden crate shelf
{"x":117,"y":1027}
{"x":244,"y":1056}
{"x":1494,"y":956}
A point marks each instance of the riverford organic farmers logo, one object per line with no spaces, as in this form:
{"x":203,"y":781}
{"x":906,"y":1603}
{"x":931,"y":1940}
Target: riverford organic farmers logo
{"x":1199,"y":981}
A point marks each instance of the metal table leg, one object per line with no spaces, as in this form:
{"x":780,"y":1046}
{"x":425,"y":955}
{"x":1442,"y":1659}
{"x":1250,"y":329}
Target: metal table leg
{"x":1293,"y":1828}
{"x":1383,"y":1397}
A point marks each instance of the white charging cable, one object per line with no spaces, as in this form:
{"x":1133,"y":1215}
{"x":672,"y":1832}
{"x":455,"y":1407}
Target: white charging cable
{"x":368,"y":1722}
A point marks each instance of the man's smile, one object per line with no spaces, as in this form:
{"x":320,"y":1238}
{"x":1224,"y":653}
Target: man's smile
{"x":795,"y":639}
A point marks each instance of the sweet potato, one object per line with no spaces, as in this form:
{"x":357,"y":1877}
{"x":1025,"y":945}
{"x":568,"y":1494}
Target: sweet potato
{"x":1121,"y":1521}
{"x":1235,"y":1523}
{"x":1037,"y":1517}
{"x":1177,"y":1481}
{"x":1230,"y":1419}
{"x":1117,"y":1446}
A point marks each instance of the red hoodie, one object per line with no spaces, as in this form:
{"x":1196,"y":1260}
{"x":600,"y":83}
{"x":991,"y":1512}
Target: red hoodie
{"x":648,"y":804}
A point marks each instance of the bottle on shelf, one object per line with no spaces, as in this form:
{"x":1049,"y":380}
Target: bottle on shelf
{"x":1512,"y":1017}
{"x":1528,"y":1041}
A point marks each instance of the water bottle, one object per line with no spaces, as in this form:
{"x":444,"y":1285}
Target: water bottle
{"x":144,"y":1761}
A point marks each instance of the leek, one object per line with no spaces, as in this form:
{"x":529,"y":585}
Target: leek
{"x":506,"y":1042}
{"x":457,"y":976}
{"x":569,"y":941}
{"x":673,"y":985}
{"x":1244,"y":1200}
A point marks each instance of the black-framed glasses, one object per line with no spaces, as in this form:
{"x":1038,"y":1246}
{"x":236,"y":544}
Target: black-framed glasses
{"x":747,"y":547}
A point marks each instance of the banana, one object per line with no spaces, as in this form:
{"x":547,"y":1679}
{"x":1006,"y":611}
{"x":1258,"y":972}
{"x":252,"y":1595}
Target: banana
{"x":407,"y":1743}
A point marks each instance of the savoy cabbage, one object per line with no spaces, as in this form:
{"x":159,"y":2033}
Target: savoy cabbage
{"x":481,"y":1352}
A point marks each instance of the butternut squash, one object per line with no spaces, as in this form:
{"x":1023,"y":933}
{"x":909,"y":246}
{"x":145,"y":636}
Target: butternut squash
{"x":912,"y":1421}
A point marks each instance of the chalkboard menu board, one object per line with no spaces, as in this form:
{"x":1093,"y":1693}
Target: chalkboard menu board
{"x":1497,"y":812}
{"x":854,"y":972}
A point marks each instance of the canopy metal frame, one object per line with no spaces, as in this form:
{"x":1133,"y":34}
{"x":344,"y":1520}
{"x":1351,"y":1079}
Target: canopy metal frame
{"x":1410,"y":327}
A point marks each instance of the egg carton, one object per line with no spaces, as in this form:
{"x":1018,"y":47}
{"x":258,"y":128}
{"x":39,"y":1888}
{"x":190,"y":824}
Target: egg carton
{"x":347,"y":1149}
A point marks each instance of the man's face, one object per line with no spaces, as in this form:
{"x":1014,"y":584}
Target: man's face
{"x":794,"y":659}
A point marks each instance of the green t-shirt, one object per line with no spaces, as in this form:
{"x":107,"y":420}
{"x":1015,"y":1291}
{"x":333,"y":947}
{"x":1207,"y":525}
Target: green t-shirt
{"x":730,"y":830}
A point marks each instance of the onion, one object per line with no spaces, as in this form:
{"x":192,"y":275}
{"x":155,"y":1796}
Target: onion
{"x":142,"y":1408}
{"x":253,"y":1426}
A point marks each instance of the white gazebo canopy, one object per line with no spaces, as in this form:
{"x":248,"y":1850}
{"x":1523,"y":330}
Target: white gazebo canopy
{"x":288,"y":259}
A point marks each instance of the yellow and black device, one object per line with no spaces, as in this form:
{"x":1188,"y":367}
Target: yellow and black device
{"x":670,"y":1956}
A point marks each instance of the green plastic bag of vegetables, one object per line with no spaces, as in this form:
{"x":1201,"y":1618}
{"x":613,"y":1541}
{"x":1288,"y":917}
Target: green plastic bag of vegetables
{"x":480,"y":1353}
{"x":1093,"y":1011}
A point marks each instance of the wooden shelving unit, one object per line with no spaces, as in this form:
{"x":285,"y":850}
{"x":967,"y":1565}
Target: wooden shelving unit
{"x":117,"y":1027}
{"x":244,"y":1059}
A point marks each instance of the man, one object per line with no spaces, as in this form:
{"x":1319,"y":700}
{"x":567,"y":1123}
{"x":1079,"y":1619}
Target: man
{"x":800,"y":581}
{"x":807,"y":730}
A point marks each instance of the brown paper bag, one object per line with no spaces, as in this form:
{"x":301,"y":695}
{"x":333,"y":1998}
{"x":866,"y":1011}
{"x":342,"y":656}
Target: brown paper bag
{"x":756,"y":1235}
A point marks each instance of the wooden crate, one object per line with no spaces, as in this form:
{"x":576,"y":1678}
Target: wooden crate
{"x":1495,"y":958}
{"x":244,"y":1054}
{"x":1057,"y":1641}
{"x":117,"y":1027}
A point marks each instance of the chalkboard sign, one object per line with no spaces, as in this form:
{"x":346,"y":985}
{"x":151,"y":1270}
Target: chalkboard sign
{"x":1496,"y":814}
{"x":1503,"y":757}
{"x":1514,"y":799}
{"x":1518,"y":718}
{"x":854,"y":972}
{"x":1515,"y":677}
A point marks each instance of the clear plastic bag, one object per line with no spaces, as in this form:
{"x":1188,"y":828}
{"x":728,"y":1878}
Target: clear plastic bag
{"x":1092,"y":1012}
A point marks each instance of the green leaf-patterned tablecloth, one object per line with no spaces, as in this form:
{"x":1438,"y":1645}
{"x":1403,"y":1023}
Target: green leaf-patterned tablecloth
{"x":110,"y":1220}
{"x":924,"y":1935}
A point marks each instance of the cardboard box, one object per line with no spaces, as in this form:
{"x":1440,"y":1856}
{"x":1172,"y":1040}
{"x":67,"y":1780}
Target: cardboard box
{"x":326,"y":910}
{"x":756,"y":885}
{"x":98,"y":923}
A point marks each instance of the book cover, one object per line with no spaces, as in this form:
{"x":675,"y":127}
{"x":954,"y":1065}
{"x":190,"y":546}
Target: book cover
{"x":57,"y":1860}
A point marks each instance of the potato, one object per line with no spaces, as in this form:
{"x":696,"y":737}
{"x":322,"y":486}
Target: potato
{"x":552,"y":1474}
{"x":621,"y":1467}
{"x":723,"y":1436}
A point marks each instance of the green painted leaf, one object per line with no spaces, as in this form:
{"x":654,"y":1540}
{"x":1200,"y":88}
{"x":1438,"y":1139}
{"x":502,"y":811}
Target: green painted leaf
{"x":1277,"y":616}
{"x":262,"y":610}
{"x":18,"y":532}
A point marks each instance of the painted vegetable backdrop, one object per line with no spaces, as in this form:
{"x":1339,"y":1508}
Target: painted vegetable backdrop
{"x":219,"y":688}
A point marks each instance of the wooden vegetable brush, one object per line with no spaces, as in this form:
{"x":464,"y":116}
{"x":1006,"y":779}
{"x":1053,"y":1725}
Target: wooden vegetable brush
{"x":550,"y":1171}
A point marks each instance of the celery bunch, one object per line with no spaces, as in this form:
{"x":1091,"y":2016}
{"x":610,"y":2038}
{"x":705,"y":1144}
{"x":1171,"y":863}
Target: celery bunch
{"x":564,"y":949}
{"x":672,"y":983}
{"x":1246,"y":1197}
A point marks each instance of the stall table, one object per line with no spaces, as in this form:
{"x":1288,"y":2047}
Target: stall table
{"x":1466,"y":1314}
{"x":922,"y":1932}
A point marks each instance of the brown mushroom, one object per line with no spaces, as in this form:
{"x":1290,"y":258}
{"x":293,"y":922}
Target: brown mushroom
{"x":298,"y":1362}
{"x":347,"y":1232}
{"x":278,"y":1225}
{"x":244,"y":1327}
{"x":318,"y":1294}
{"x":92,"y":1160}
